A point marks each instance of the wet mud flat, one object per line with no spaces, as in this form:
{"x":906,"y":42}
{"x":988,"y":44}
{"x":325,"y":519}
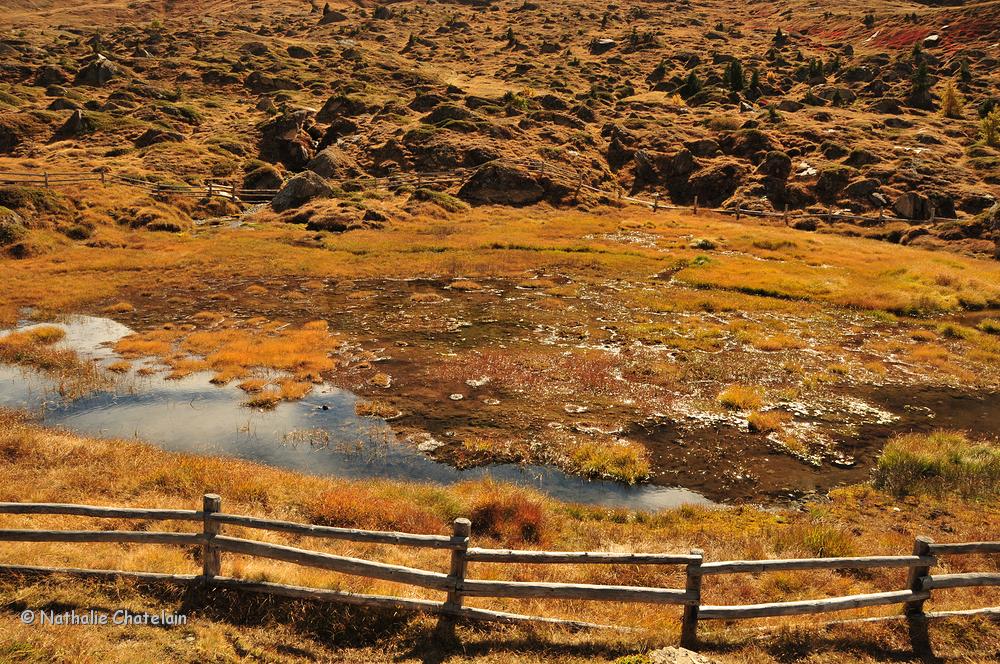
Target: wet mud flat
{"x":519,"y":373}
{"x":730,"y":465}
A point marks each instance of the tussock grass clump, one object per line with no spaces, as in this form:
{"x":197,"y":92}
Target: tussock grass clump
{"x":741,"y":397}
{"x":623,"y":460}
{"x":768,"y":421}
{"x":509,"y":514}
{"x":375,"y":408}
{"x":33,"y":348}
{"x":939,"y":463}
{"x":990,"y":326}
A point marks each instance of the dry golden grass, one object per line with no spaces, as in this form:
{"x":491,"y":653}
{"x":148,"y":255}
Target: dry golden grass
{"x":741,"y":397}
{"x":768,"y":421}
{"x":51,"y":466}
{"x":621,"y":460}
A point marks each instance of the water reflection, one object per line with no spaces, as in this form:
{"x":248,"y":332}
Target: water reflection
{"x":320,"y":435}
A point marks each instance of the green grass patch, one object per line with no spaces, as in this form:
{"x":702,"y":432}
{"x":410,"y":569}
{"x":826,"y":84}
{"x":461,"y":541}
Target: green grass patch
{"x":939,"y":463}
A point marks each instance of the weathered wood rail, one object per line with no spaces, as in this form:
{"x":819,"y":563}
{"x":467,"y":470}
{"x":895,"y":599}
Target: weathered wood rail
{"x":456,"y":583}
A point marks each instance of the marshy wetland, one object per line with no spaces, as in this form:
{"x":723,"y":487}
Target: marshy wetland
{"x":613,"y":348}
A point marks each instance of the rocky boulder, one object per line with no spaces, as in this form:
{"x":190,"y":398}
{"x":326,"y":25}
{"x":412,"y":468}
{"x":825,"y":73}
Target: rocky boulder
{"x":340,"y":106}
{"x":502,"y":184}
{"x":259,"y":82}
{"x":912,"y":205}
{"x":12,"y":228}
{"x":153,"y":136}
{"x":97,"y":73}
{"x":714,"y":185}
{"x":76,"y":125}
{"x":47,"y":75}
{"x":287,"y":139}
{"x":299,"y":190}
{"x":776,"y":164}
{"x":334,"y":163}
{"x":832,"y":181}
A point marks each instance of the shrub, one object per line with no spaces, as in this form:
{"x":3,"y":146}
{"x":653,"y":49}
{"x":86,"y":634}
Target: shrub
{"x":990,"y":326}
{"x":358,"y":506}
{"x":938,"y":463}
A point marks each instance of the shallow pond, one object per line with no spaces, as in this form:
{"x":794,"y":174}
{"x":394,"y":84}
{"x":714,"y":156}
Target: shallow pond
{"x":319,"y":435}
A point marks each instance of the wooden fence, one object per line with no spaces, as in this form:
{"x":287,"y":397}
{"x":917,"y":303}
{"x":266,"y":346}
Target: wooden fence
{"x":456,"y":582}
{"x":564,"y":174}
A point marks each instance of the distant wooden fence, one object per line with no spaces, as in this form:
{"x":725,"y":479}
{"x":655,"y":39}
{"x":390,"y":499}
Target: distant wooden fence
{"x":568,"y":176}
{"x":456,"y":583}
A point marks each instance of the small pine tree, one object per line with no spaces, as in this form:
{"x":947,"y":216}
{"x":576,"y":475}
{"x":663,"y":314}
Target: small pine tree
{"x":779,"y":37}
{"x":917,"y":53}
{"x":951,"y":101}
{"x":734,"y":76}
{"x":692,"y":85}
{"x":964,"y":72}
{"x":921,"y":84}
{"x":869,"y":20}
{"x":510,"y":36}
{"x":772,"y":113}
{"x":989,"y":128}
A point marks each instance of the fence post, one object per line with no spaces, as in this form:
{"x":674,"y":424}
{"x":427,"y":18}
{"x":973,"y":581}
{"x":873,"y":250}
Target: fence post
{"x":785,"y":217}
{"x":914,"y":579}
{"x":829,"y":214}
{"x":210,"y":192}
{"x":656,"y":202}
{"x":104,"y":179}
{"x":689,"y":624}
{"x":46,"y":174}
{"x":461,"y":529}
{"x":881,"y":211}
{"x":696,"y":204}
{"x":211,"y":557}
{"x":737,"y":213}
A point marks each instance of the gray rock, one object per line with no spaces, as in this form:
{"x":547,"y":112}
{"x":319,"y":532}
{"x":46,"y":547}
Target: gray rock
{"x":334,"y":163}
{"x":912,"y":205}
{"x":97,"y":73}
{"x":501,"y":184}
{"x":299,"y":190}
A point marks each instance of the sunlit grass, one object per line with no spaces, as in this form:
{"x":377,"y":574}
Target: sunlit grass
{"x":940,"y":462}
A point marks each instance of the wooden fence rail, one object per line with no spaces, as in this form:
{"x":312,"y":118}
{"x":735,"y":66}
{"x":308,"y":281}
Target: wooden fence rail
{"x":456,"y":584}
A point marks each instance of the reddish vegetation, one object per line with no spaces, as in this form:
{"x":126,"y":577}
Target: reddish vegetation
{"x":510,"y":516}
